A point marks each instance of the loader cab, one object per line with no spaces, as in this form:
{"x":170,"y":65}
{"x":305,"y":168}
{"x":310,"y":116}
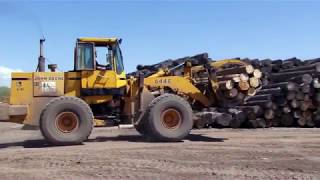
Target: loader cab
{"x":100,"y":64}
{"x":98,"y":54}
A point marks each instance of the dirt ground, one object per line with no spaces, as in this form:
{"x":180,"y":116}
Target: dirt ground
{"x":275,"y":153}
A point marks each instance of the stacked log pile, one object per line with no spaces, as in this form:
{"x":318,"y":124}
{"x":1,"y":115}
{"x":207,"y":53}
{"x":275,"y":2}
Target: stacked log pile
{"x":290,"y":94}
{"x":265,"y":93}
{"x":236,"y":83}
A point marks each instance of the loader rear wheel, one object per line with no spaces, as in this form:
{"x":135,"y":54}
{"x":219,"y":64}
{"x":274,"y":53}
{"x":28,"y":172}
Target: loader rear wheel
{"x":66,"y":120}
{"x":169,"y":118}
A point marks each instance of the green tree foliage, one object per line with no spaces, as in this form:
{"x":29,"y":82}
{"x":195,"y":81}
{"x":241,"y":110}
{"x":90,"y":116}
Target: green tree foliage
{"x":4,"y":93}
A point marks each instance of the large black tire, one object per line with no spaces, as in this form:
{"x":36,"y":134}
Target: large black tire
{"x":162,"y":115}
{"x":141,"y":127}
{"x":66,"y":120}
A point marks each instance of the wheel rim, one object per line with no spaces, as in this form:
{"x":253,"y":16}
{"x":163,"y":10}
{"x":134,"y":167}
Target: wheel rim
{"x":67,"y":122}
{"x":171,"y":118}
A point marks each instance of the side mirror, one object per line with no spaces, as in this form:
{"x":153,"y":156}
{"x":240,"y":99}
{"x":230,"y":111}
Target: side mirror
{"x":120,"y":41}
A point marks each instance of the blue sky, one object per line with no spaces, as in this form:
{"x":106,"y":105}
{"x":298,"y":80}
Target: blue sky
{"x":157,"y":30}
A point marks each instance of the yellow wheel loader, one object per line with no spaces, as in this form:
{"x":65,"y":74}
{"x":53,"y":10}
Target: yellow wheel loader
{"x":65,"y":104}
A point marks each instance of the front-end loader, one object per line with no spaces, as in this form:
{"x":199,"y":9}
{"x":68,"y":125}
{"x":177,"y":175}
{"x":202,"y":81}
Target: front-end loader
{"x":65,"y":104}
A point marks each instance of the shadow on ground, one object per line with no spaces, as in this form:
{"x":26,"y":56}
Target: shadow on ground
{"x":139,"y":138}
{"x":126,"y":138}
{"x":26,"y":144}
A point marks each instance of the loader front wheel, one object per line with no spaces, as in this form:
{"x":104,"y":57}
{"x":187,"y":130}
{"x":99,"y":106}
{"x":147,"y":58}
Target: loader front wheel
{"x":142,"y":129}
{"x":169,"y":118}
{"x":66,"y":120}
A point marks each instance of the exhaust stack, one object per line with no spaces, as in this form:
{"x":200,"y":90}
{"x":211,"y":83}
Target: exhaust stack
{"x":41,"y":59}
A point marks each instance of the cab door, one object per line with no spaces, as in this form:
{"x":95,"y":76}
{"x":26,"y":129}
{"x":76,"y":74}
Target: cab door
{"x":96,"y":82}
{"x":119,"y":67}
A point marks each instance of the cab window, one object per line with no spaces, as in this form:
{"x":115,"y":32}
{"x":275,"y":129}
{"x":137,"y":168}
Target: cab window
{"x":118,"y":60}
{"x":103,"y":58}
{"x":84,"y":56}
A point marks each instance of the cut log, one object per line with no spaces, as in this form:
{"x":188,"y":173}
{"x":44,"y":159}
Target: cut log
{"x":307,"y":115}
{"x":252,"y":123}
{"x":316,"y":83}
{"x":233,"y":77}
{"x":244,"y":77}
{"x":280,"y":100}
{"x":238,"y":117}
{"x":305,"y":88}
{"x":291,"y":95}
{"x":248,"y":69}
{"x":276,"y":122}
{"x":244,"y":85}
{"x":236,"y":79}
{"x":304,"y":78}
{"x":268,"y":114}
{"x":266,"y":70}
{"x":251,"y":92}
{"x":226,"y":85}
{"x":261,"y":123}
{"x":286,"y":109}
{"x":261,"y":103}
{"x":317,"y":97}
{"x":314,"y":67}
{"x":274,"y":106}
{"x":223,"y":119}
{"x":203,"y":119}
{"x":232,"y":93}
{"x":229,"y":102}
{"x":254,"y":82}
{"x":310,"y":123}
{"x":260,"y":97}
{"x":273,"y":91}
{"x":297,"y":114}
{"x":305,"y":105}
{"x":257,"y":73}
{"x":209,"y":117}
{"x":312,"y":61}
{"x":287,"y":120}
{"x":283,"y":85}
{"x":307,"y":97}
{"x":301,"y":121}
{"x":316,"y":118}
{"x":257,"y":110}
{"x":299,"y":96}
{"x":265,"y":81}
{"x":284,"y":76}
{"x":266,"y":62}
{"x":295,"y":103}
{"x":269,"y":105}
{"x":291,"y":86}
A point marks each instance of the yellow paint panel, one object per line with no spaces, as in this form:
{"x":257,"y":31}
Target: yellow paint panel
{"x":22,"y":94}
{"x":121,"y":80}
{"x":101,"y":79}
{"x":220,"y":63}
{"x":97,"y":99}
{"x":97,"y":41}
{"x":179,"y":84}
{"x":72,"y":84}
{"x":21,"y":88}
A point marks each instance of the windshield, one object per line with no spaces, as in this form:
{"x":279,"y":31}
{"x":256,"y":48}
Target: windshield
{"x":118,"y":59}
